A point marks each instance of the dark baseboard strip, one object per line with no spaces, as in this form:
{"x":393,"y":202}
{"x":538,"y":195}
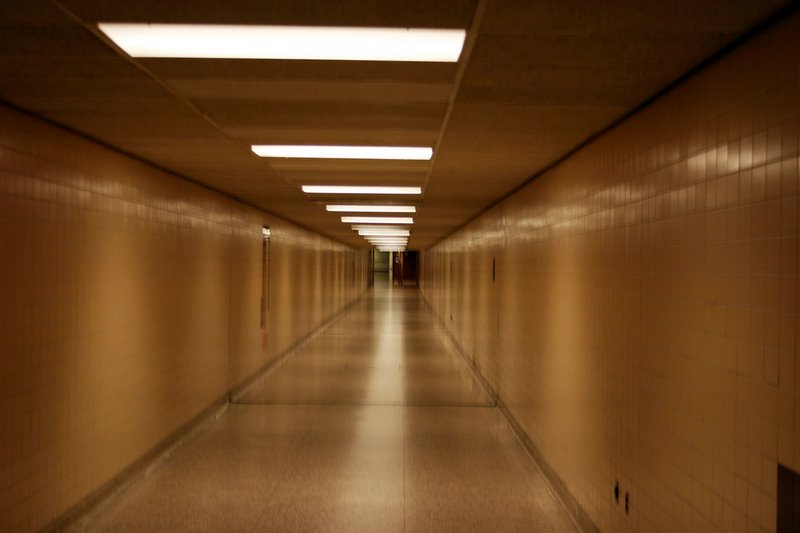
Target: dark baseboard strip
{"x":80,"y":515}
{"x":239,"y":391}
{"x":357,"y":403}
{"x":578,"y":515}
{"x":576,"y":512}
{"x":476,"y":371}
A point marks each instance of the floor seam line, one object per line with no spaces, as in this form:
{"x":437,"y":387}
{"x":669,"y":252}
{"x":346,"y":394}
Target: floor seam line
{"x":336,"y":404}
{"x":403,"y":436}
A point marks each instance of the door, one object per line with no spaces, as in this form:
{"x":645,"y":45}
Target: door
{"x":265,"y":288}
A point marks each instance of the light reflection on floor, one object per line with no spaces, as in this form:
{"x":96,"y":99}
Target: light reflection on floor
{"x":375,"y":425}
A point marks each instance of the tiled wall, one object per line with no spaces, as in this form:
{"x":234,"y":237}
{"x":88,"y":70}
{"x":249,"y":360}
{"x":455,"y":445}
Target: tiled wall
{"x":642,"y":324}
{"x":129,"y":303}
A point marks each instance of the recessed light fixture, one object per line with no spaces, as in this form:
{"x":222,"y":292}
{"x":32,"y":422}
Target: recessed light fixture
{"x":377,"y":220}
{"x":371,"y":208}
{"x":357,"y":189}
{"x":384,"y":233}
{"x":414,"y":153}
{"x":219,"y":41}
{"x":359,"y":227}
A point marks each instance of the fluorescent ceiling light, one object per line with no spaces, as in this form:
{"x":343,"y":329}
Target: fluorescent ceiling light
{"x":219,"y":41}
{"x":377,"y":220}
{"x":384,"y":233}
{"x":356,"y":189}
{"x":386,"y":239}
{"x":414,"y":153}
{"x":371,"y":208}
{"x":358,"y":227}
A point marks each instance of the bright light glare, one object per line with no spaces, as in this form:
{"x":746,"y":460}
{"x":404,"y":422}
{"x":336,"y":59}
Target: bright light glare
{"x":383,"y":233}
{"x":356,"y":189}
{"x":377,"y":232}
{"x":377,"y":220}
{"x":405,"y":153}
{"x":218,"y":41}
{"x":358,"y":227}
{"x":371,"y":208}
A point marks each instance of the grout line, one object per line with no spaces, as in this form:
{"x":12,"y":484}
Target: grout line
{"x":573,"y":510}
{"x":241,"y":389}
{"x":788,"y":8}
{"x":558,"y":489}
{"x":81,"y":516}
{"x":490,"y":392}
{"x":466,"y":53}
{"x":106,"y":41}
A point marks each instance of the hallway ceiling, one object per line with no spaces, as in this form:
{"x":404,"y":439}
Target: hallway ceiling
{"x":540,"y":78}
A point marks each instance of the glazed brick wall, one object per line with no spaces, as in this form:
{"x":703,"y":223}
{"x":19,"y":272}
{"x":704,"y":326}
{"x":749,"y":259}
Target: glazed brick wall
{"x":130,"y":303}
{"x":643,"y":319}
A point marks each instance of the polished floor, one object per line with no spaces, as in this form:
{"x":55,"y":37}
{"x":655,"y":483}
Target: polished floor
{"x":376,"y":424}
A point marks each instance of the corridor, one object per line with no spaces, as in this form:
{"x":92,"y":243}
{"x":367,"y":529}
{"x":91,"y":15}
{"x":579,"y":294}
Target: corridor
{"x":375,"y":424}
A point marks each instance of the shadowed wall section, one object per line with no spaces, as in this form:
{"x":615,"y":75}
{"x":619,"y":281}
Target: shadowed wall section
{"x":641,"y":324}
{"x":130,"y":303}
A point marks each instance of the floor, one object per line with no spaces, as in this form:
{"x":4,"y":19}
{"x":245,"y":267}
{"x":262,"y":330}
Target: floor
{"x":377,"y":424}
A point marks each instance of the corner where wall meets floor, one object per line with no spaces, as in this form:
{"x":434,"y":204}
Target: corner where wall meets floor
{"x":130,"y":302}
{"x":636,"y":306}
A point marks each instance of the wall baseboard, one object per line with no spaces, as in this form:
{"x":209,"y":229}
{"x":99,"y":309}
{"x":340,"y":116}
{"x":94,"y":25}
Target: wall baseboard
{"x":578,"y":515}
{"x":79,"y":516}
{"x":76,"y":518}
{"x":576,"y":512}
{"x":275,"y":363}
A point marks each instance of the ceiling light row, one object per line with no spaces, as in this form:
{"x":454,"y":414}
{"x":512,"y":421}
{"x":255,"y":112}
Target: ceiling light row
{"x":307,"y":43}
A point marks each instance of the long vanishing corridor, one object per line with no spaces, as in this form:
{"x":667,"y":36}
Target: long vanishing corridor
{"x":377,"y":424}
{"x":598,"y":205}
